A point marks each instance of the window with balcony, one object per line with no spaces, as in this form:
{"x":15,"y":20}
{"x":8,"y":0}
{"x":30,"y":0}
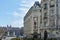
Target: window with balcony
{"x":35,"y":23}
{"x":52,"y":22}
{"x":52,"y":12}
{"x":45,"y":6}
{"x":45,"y":23}
{"x":41,"y":22}
{"x":57,"y":5}
{"x":45,"y":15}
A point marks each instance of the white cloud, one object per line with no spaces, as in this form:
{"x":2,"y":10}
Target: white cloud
{"x":17,"y":23}
{"x":26,"y":4}
{"x":16,"y":14}
{"x":24,"y":1}
{"x":17,"y":20}
{"x":23,"y":11}
{"x":38,"y":0}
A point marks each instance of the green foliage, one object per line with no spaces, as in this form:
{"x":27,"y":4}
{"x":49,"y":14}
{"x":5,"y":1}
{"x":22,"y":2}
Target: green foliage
{"x":50,"y":39}
{"x":16,"y":39}
{"x":41,"y":39}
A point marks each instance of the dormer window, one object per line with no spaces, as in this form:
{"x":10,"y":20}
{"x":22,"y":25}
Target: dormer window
{"x":37,"y":4}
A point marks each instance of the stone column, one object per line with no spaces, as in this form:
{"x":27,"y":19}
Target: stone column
{"x":8,"y":33}
{"x":13,"y":33}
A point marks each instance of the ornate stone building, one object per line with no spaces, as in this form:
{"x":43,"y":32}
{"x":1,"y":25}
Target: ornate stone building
{"x":32,"y":20}
{"x":9,"y":31}
{"x":43,"y":16}
{"x":50,"y":17}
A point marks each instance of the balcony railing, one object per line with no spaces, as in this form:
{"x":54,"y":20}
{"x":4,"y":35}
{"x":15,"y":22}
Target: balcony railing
{"x":52,"y":5}
{"x":45,"y":17}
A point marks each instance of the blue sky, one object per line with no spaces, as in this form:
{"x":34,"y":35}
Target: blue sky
{"x":12,"y":12}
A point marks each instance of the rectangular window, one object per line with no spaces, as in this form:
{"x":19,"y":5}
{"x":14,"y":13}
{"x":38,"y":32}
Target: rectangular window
{"x":35,"y":22}
{"x":52,"y":12}
{"x":45,"y":23}
{"x":45,"y":6}
{"x":41,"y":19}
{"x":45,"y":15}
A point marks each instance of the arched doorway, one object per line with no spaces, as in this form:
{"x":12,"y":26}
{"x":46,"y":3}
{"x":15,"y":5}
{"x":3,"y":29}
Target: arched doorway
{"x":45,"y":35}
{"x":35,"y":35}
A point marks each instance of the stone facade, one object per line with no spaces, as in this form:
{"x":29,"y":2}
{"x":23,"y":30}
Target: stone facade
{"x":50,"y":17}
{"x":47,"y":17}
{"x":32,"y":20}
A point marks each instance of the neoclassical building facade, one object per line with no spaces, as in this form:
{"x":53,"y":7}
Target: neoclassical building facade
{"x":32,"y":20}
{"x":43,"y":16}
{"x":50,"y":17}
